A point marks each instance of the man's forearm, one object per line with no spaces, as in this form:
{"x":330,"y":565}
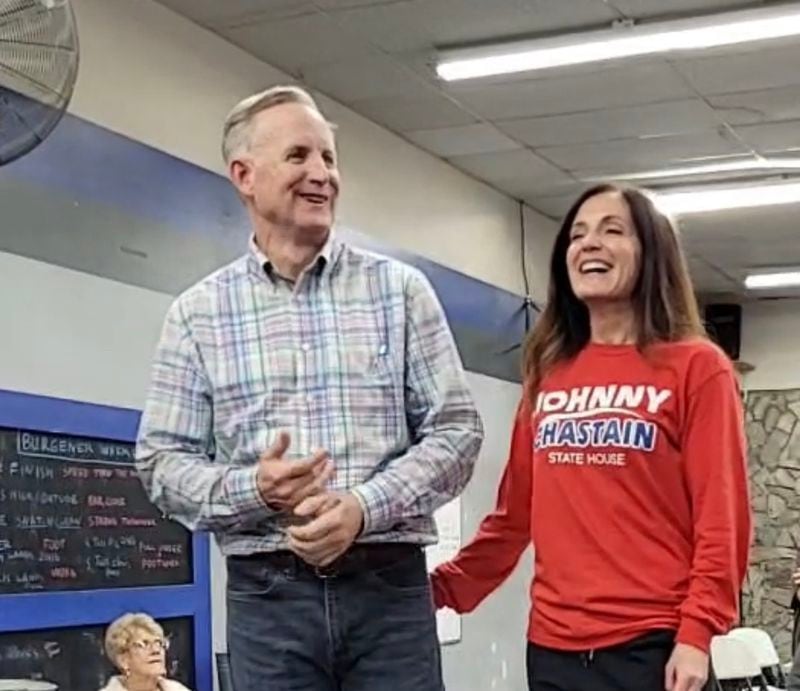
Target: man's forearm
{"x":428,"y":476}
{"x":198,"y":493}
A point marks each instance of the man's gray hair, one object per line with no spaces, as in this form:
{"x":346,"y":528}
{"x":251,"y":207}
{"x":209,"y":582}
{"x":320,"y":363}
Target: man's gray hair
{"x":236,"y":131}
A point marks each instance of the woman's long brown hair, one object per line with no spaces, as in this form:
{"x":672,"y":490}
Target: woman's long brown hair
{"x":664,"y":303}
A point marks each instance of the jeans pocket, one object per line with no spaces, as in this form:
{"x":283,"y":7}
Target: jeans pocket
{"x":249,"y":579}
{"x":407,"y":576}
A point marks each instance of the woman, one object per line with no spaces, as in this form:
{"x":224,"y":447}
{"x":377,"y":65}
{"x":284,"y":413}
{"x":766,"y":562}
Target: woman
{"x":136,"y":645}
{"x":627,"y":467}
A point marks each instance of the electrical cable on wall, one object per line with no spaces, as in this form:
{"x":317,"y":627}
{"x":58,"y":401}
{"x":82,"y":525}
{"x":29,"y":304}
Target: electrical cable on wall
{"x":529,"y":303}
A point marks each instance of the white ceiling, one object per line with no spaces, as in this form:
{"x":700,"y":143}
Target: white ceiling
{"x":539,"y":139}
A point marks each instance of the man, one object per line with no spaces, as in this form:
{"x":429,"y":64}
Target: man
{"x":309,"y":407}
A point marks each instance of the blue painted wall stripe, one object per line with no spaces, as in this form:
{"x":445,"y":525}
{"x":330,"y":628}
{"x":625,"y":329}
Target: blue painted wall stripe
{"x":95,"y":167}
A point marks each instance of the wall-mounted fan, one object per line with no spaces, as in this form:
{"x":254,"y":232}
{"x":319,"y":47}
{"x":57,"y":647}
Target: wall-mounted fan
{"x":38,"y":68}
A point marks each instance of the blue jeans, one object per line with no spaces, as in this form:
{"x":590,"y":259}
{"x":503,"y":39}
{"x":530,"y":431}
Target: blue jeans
{"x":369,"y":629}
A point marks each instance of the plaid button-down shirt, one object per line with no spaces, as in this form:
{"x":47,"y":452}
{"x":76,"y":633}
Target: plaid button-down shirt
{"x":354,"y":357}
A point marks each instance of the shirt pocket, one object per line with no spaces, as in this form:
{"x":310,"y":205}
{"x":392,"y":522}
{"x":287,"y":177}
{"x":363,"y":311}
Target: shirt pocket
{"x":369,"y":360}
{"x":372,"y":376}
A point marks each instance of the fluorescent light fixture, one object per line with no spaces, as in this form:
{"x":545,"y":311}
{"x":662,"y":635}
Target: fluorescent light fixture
{"x":750,"y":164}
{"x":621,"y":41}
{"x":723,"y":198}
{"x":778,"y":279}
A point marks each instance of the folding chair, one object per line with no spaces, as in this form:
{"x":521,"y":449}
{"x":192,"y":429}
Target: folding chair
{"x":734,"y":667}
{"x":760,"y":645}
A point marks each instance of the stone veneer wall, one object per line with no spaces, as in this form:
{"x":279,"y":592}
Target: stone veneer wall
{"x":773,"y":433}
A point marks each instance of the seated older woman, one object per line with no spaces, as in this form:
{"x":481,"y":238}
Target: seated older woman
{"x":135,"y":643}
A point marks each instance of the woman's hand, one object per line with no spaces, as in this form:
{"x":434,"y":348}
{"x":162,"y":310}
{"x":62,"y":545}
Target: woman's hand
{"x":687,"y":669}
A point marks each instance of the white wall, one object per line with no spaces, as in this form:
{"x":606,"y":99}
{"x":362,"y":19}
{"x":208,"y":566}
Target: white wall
{"x":491,"y":654}
{"x":73,"y":335}
{"x":771,"y":342}
{"x":149,"y":74}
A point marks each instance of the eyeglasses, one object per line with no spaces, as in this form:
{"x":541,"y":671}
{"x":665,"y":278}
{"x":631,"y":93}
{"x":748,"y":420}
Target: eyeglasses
{"x":157,"y":644}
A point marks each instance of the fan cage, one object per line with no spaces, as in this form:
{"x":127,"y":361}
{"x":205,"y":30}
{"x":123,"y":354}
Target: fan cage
{"x":38,"y":69}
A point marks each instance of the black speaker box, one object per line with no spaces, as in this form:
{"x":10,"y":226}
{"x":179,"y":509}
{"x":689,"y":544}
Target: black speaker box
{"x":724,"y":324}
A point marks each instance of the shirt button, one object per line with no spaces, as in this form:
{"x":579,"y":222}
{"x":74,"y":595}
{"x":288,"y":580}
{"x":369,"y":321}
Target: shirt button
{"x":310,"y":398}
{"x":306,"y":347}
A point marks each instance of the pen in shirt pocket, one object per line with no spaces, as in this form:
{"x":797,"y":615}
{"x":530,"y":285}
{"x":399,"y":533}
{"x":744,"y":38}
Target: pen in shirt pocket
{"x":380,"y":359}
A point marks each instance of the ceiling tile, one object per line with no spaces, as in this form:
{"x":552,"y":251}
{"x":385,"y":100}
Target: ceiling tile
{"x":216,"y":14}
{"x":765,"y":105}
{"x":750,"y":71}
{"x":668,"y":117}
{"x":779,"y":221}
{"x":620,"y":173}
{"x":376,"y":77}
{"x":277,"y":42}
{"x":520,"y":173}
{"x":555,"y":206}
{"x":772,"y":137}
{"x":613,"y":87}
{"x":625,"y":154}
{"x":739,"y":256}
{"x":727,"y":244}
{"x":708,"y":277}
{"x":468,"y":139}
{"x":646,"y":9}
{"x":332,"y":5}
{"x":422,"y":24}
{"x":403,"y":114}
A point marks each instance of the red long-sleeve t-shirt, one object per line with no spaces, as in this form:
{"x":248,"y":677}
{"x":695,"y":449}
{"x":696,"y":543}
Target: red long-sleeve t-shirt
{"x":629,"y":476}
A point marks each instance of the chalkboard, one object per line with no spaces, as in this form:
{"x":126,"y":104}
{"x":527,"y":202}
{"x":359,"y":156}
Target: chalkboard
{"x":74,"y":658}
{"x":74,"y":516}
